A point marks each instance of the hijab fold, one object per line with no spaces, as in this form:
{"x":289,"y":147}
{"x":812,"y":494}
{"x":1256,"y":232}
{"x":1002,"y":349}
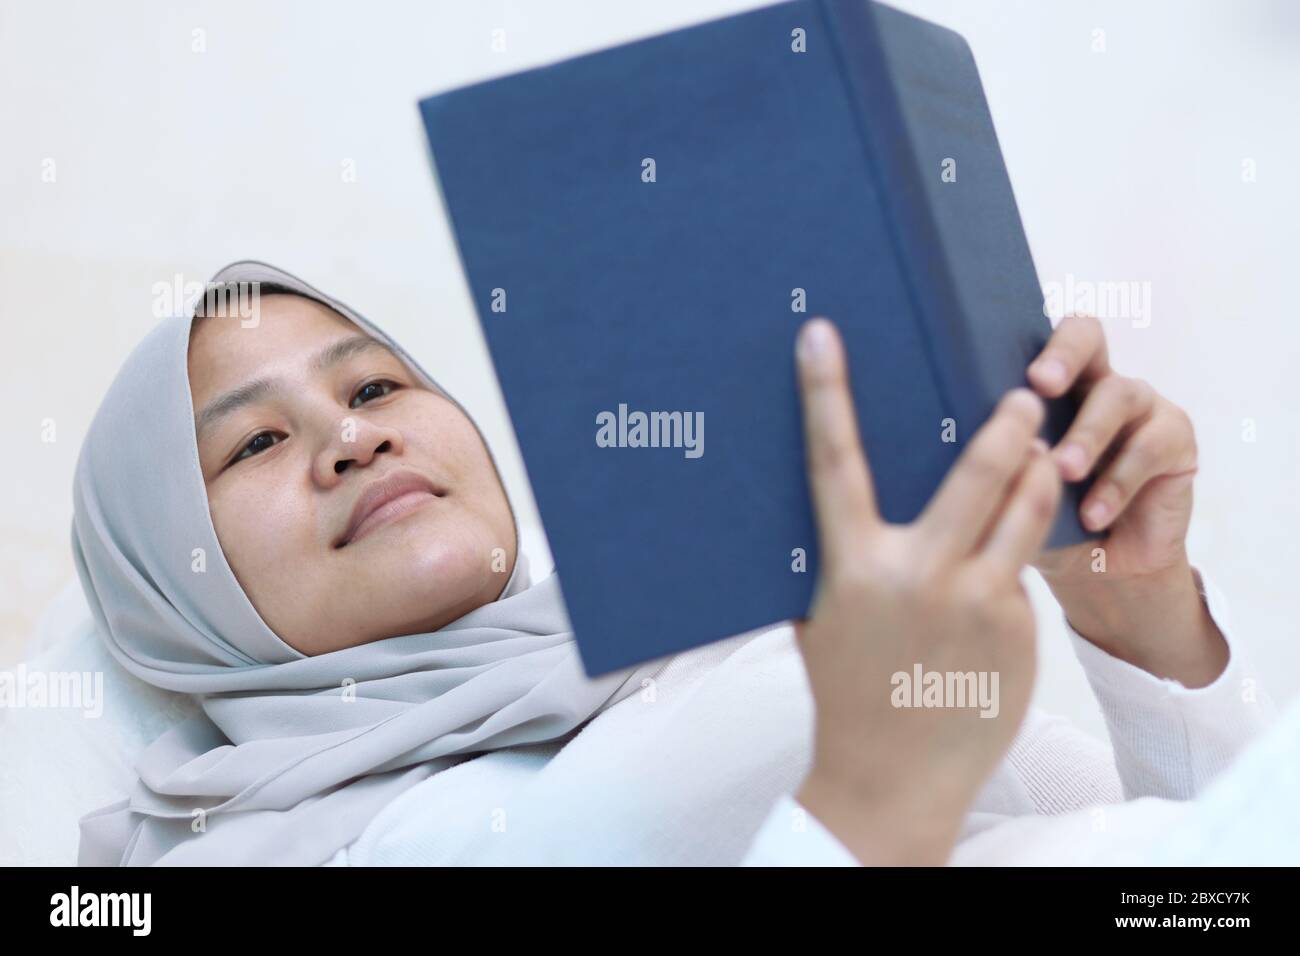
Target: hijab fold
{"x":290,"y":755}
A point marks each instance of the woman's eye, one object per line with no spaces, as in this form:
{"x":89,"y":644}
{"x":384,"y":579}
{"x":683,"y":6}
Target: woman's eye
{"x":370,"y":392}
{"x":257,"y":444}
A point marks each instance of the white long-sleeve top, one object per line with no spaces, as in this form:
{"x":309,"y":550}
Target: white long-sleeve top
{"x":700,"y":767}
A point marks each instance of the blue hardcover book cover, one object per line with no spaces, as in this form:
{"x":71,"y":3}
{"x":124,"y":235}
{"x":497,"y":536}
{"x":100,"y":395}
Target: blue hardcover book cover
{"x":643,"y":230}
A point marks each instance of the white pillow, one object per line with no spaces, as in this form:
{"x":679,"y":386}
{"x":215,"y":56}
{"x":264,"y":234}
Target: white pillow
{"x":60,"y":763}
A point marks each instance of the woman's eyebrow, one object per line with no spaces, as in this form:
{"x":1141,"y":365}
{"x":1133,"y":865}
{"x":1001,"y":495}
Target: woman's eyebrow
{"x":233,"y":400}
{"x":344,"y":349}
{"x":259,"y":389}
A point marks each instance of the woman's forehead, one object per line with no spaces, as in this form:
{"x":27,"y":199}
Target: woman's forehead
{"x":279,"y":319}
{"x":293,"y":338}
{"x":288,"y":327}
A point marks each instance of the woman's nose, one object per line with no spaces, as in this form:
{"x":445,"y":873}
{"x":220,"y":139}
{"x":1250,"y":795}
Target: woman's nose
{"x":355,"y":444}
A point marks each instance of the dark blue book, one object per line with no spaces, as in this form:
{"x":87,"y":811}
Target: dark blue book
{"x":644,"y":229}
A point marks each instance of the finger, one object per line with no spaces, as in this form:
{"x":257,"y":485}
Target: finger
{"x":1113,"y":405}
{"x":1075,"y":354}
{"x":1020,"y":530}
{"x":840,"y":481}
{"x":800,"y":632}
{"x":1164,"y":446}
{"x":973,"y":490}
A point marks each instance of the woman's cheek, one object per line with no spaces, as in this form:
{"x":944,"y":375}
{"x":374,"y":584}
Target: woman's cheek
{"x":260,"y":531}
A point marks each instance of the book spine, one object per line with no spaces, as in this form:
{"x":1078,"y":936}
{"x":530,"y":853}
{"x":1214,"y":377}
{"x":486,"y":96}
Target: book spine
{"x":893,"y":162}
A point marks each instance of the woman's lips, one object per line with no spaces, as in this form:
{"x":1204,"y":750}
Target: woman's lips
{"x":386,"y":500}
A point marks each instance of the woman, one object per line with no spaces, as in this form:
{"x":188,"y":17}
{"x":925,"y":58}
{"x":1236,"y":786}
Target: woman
{"x":290,"y":519}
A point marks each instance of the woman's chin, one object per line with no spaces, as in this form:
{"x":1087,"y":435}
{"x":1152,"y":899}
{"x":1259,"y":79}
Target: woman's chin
{"x":433,"y":575}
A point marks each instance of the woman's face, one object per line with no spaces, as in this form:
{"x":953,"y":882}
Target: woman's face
{"x":352,"y":503}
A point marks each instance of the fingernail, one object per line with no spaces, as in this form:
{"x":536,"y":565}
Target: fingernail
{"x":815,"y":341}
{"x":1026,"y":398}
{"x":1096,"y":513}
{"x":1072,"y":459}
{"x":1049,"y":371}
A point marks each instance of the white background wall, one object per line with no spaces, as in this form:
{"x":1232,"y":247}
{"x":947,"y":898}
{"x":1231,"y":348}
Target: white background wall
{"x":1127,"y":165}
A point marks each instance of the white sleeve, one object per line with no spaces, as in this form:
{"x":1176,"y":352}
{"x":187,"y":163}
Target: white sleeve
{"x":1170,"y":741}
{"x":1245,"y":817}
{"x":1108,"y":834}
{"x":791,"y":836}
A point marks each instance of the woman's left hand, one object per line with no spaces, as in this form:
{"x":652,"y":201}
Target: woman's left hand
{"x":1138,"y":598}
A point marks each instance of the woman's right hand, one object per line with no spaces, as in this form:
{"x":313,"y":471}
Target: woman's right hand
{"x":894,"y":783}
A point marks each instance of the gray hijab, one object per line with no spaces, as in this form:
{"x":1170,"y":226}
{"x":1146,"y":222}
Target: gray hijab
{"x":289,"y":756}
